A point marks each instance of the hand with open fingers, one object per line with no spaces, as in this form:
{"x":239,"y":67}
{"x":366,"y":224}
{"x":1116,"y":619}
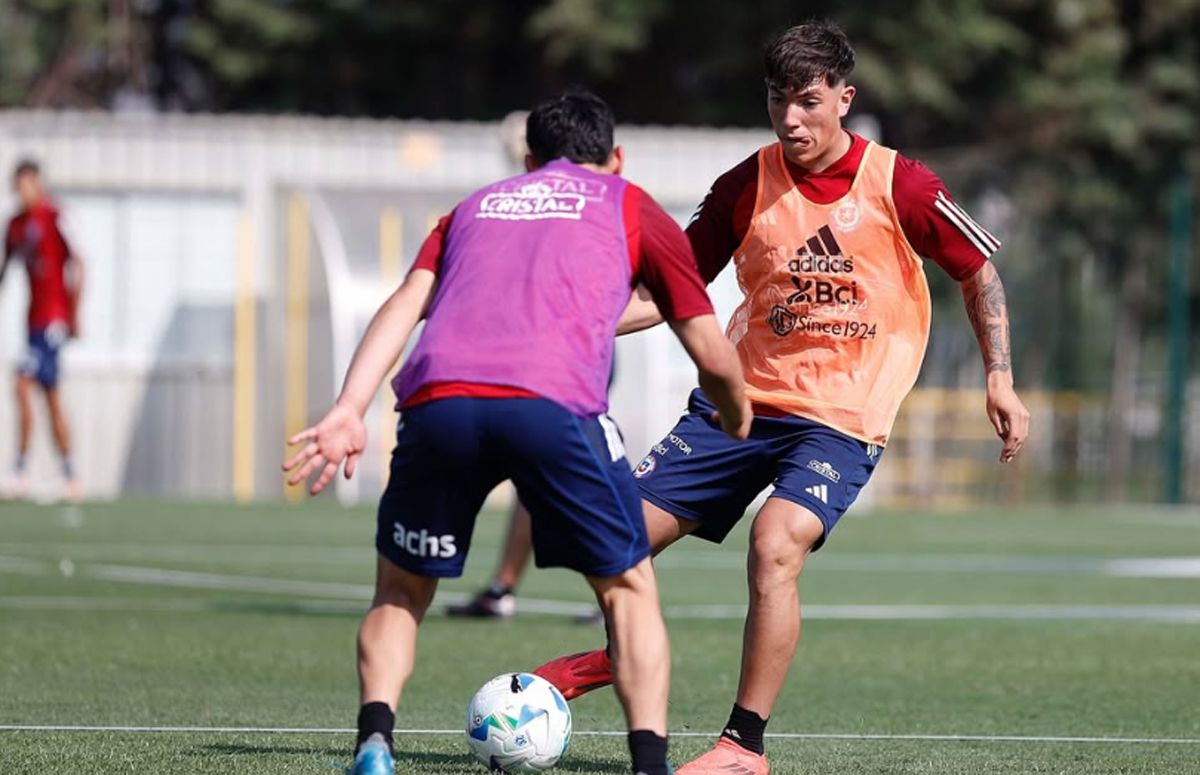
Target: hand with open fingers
{"x":1009,"y":417}
{"x":737,"y":427}
{"x":339,"y":436}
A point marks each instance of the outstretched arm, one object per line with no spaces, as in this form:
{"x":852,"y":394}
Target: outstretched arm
{"x":983,"y":295}
{"x":341,"y":434}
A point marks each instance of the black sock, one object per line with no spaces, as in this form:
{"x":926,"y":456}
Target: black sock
{"x":496,"y":590}
{"x":649,"y":753}
{"x":375,"y":717}
{"x":745,"y":727}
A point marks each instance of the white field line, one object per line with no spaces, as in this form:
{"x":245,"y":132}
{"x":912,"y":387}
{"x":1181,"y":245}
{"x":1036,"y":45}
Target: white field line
{"x":1182,"y":567}
{"x":1132,"y":613}
{"x":361,"y":592}
{"x":611,"y":733}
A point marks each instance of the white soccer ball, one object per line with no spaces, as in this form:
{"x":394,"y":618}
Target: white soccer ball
{"x":518,"y":722}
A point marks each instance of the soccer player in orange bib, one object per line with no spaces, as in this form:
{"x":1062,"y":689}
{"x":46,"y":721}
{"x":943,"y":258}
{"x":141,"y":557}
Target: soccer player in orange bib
{"x":827,"y":231}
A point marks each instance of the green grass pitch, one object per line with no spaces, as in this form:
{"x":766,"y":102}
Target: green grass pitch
{"x":1009,"y":627}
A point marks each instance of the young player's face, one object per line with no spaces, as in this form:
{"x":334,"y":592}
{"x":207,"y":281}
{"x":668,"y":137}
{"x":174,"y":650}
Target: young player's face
{"x":29,"y":188}
{"x":808,"y":121}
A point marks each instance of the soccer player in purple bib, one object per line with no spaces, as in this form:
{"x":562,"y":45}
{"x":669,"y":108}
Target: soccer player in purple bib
{"x":508,"y":381}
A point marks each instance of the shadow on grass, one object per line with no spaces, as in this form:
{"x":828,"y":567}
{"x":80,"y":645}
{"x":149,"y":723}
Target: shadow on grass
{"x":451,"y":764}
{"x":239,"y":749}
{"x":331,"y":609}
{"x":422,"y":761}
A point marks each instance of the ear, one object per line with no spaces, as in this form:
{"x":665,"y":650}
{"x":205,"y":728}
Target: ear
{"x":531,"y":163}
{"x":616,"y":162}
{"x":844,"y":100}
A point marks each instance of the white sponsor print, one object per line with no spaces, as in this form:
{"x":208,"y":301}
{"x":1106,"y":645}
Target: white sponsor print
{"x":819,"y":491}
{"x":682,"y":445}
{"x":554,"y":195}
{"x":422,"y":543}
{"x":825,"y":469}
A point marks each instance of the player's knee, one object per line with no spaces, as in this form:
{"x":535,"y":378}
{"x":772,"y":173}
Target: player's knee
{"x":637,"y":582}
{"x":778,"y":552}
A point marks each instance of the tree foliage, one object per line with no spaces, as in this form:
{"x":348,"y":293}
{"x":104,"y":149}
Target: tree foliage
{"x":1080,"y":111}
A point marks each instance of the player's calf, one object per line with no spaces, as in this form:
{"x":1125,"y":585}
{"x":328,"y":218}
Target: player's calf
{"x":641,"y":661}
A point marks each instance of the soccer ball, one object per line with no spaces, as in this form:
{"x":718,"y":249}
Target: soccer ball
{"x":518,"y":722}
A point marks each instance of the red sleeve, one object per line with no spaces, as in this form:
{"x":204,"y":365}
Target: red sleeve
{"x":664,"y":261}
{"x":936,"y":226}
{"x":430,"y":255}
{"x":720,"y":222}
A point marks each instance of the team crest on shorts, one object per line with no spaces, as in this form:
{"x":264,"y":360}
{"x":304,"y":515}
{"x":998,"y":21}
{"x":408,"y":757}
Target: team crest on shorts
{"x":645,"y":468}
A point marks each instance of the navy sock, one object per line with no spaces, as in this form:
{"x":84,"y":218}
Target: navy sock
{"x":68,"y":470}
{"x":649,"y":753}
{"x":745,"y":727}
{"x":22,"y":462}
{"x":375,"y":717}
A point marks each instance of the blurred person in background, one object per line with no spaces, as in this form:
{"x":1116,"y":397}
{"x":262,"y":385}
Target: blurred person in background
{"x":35,"y":238}
{"x":498,"y":600}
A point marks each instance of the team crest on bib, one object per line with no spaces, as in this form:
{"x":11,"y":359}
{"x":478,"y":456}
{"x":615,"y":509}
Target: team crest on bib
{"x":645,"y":468}
{"x":847,"y":216}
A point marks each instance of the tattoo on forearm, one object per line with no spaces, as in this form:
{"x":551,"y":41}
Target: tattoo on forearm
{"x":988,"y":312}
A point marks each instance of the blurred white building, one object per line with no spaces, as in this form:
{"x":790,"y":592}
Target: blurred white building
{"x":234,"y":261}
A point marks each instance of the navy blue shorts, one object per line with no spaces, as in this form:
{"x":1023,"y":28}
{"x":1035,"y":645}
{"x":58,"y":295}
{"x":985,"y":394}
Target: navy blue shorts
{"x":699,"y":473}
{"x":41,"y":357}
{"x":569,"y":471}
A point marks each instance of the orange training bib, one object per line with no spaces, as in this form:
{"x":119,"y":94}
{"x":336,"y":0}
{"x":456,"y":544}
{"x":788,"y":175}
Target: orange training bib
{"x":836,"y":313}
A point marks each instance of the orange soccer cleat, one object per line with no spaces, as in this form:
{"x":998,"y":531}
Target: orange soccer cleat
{"x":726,"y":758}
{"x":577,"y":674}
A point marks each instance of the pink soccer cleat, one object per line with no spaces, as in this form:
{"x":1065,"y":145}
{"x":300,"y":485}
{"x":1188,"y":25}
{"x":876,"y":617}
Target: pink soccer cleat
{"x":727,"y":758}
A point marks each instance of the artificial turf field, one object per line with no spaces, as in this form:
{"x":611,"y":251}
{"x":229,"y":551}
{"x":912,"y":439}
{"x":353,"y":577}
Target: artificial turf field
{"x":934,"y":643}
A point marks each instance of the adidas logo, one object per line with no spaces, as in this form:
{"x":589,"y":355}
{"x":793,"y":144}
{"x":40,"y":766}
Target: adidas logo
{"x":819,"y":491}
{"x":821,"y":254}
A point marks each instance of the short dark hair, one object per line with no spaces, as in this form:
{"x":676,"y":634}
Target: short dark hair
{"x":802,"y":54}
{"x":575,"y":125}
{"x":26,"y":167}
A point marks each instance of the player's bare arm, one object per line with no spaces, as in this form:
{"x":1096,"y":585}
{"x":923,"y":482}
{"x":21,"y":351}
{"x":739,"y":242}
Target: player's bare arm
{"x":720,"y":371}
{"x":983,"y":295}
{"x":642,"y":313}
{"x":74,"y":274}
{"x":341,"y":435}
